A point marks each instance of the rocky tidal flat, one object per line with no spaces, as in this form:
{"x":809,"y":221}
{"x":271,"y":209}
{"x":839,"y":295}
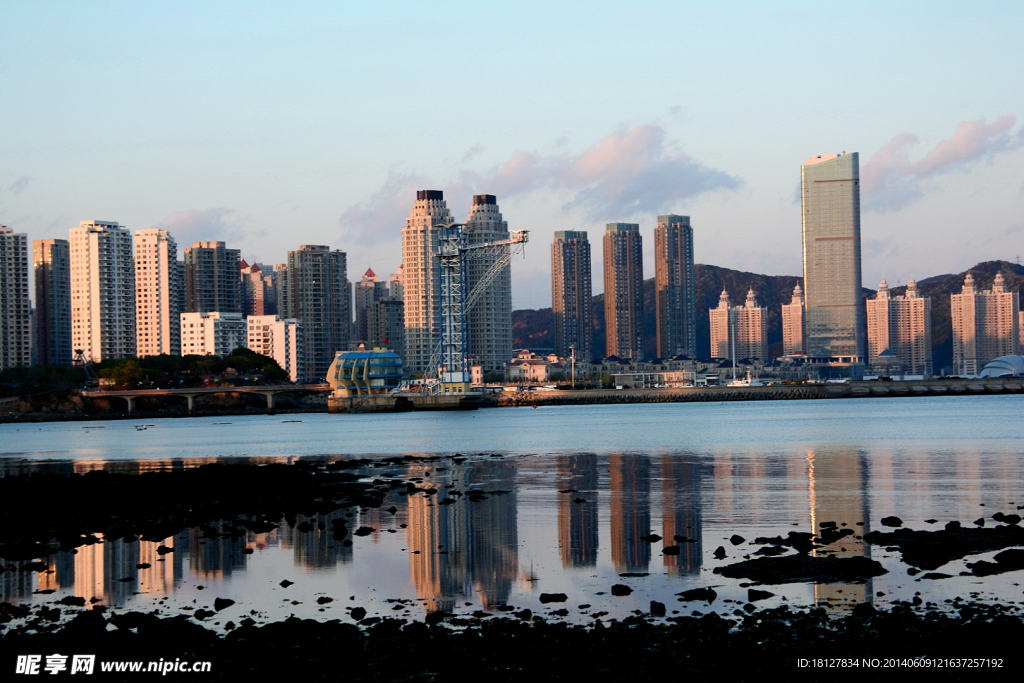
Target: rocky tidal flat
{"x":558,"y":636}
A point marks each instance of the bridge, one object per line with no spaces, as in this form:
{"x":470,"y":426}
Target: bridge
{"x":190,"y":394}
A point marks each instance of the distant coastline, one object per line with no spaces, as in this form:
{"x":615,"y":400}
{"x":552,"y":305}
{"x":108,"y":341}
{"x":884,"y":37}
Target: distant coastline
{"x":78,"y":409}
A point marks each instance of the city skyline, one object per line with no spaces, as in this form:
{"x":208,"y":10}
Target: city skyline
{"x":317,"y":156}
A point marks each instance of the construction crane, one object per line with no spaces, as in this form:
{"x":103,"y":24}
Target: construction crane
{"x":448,"y":362}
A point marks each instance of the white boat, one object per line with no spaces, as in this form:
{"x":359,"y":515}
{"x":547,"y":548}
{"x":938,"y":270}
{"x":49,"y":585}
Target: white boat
{"x":746,"y":382}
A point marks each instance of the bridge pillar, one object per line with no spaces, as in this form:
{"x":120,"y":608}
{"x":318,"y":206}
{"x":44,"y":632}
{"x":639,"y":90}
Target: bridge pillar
{"x":270,"y":402}
{"x":191,"y":402}
{"x":131,"y":403}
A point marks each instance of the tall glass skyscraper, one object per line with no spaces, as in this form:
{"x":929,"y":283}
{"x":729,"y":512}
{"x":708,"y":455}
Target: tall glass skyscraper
{"x":831,"y":236}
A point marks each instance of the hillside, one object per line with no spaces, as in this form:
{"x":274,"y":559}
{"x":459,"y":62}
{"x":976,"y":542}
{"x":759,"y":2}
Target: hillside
{"x":532,"y":328}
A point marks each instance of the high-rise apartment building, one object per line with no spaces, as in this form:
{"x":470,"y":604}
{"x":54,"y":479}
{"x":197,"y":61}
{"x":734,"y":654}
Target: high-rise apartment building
{"x":985,"y":325}
{"x":217,"y":334}
{"x":15,"y":310}
{"x":157,"y":315}
{"x":212,"y":278}
{"x":675,"y":288}
{"x":395,"y":286}
{"x":833,"y":304}
{"x":793,"y":325}
{"x":52,"y":262}
{"x":259,"y":289}
{"x":281,"y":339}
{"x":386,"y":324}
{"x":490,"y":319}
{"x":624,"y":291}
{"x":364,"y":293}
{"x":102,"y":291}
{"x":739,"y":327}
{"x":421,"y":281}
{"x":318,"y":293}
{"x":902,"y":325}
{"x":571,"y":297}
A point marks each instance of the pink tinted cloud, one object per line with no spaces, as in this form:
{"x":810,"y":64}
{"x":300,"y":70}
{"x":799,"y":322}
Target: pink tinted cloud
{"x":626,"y":173}
{"x":890,"y":181}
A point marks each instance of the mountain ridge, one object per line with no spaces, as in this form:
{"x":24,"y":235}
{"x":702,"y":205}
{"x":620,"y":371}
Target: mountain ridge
{"x":532,"y":328}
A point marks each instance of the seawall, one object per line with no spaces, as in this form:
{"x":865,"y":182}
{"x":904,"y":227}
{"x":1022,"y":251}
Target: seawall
{"x":942,"y":386}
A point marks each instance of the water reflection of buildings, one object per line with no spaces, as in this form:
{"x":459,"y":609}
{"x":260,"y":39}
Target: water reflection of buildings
{"x":578,"y":522}
{"x":681,"y":512}
{"x":312,"y":541}
{"x":456,"y":547}
{"x":629,"y":489}
{"x":837,"y":488}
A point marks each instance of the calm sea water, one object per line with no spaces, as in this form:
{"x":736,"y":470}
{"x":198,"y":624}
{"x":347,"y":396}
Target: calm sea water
{"x":572,"y":497}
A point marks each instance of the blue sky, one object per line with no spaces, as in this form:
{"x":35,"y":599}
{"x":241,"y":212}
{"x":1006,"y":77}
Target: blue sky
{"x":271,"y":125}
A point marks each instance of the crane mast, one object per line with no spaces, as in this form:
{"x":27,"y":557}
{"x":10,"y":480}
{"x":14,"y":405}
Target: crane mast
{"x":448,"y":362}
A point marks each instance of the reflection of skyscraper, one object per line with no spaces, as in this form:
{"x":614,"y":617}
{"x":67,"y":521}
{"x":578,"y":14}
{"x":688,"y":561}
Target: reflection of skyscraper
{"x":312,"y":541}
{"x":453,"y":547}
{"x":831,"y":237}
{"x":629,"y":487}
{"x":212,"y":557}
{"x":89,"y":572}
{"x":120,"y":573}
{"x":837,"y":485}
{"x":577,"y":522}
{"x":681,"y":512}
{"x":158,"y":577}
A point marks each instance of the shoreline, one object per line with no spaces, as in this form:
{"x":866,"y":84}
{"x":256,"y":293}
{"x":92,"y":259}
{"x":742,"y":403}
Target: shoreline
{"x":236,"y":405}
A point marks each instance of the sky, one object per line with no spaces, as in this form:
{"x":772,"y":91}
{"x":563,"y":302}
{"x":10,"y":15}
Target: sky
{"x":269,"y":124}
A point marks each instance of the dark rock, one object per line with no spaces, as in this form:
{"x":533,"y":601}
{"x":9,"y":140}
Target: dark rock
{"x":524,"y":614}
{"x":771,"y":551}
{"x":892,"y":521}
{"x":323,"y":600}
{"x":930,"y":521}
{"x":736,"y":539}
{"x":364,"y":531}
{"x":913,"y":571}
{"x":833,"y":534}
{"x":670,"y":550}
{"x":720,"y":553}
{"x":144,"y":565}
{"x":560,"y":612}
{"x":998,"y":517}
{"x":1012,"y":519}
{"x":828,"y":525}
{"x":753,"y":595}
{"x":222,"y":603}
{"x":929,"y":550}
{"x":801,"y":541}
{"x":935,"y":575}
{"x":163,"y":550}
{"x":801,"y":568}
{"x":553,"y":597}
{"x":708,"y":594}
{"x":621,"y":590}
{"x":651,"y":538}
{"x":1006,"y":561}
{"x":864,"y":610}
{"x":286,"y":583}
{"x":359,"y":613}
{"x":631,"y":575}
{"x":202,"y":614}
{"x":657,"y":608}
{"x":579,"y":500}
{"x":980,"y":521}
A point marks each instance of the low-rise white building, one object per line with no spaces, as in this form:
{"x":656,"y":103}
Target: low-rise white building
{"x":218,"y":334}
{"x":281,"y":339}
